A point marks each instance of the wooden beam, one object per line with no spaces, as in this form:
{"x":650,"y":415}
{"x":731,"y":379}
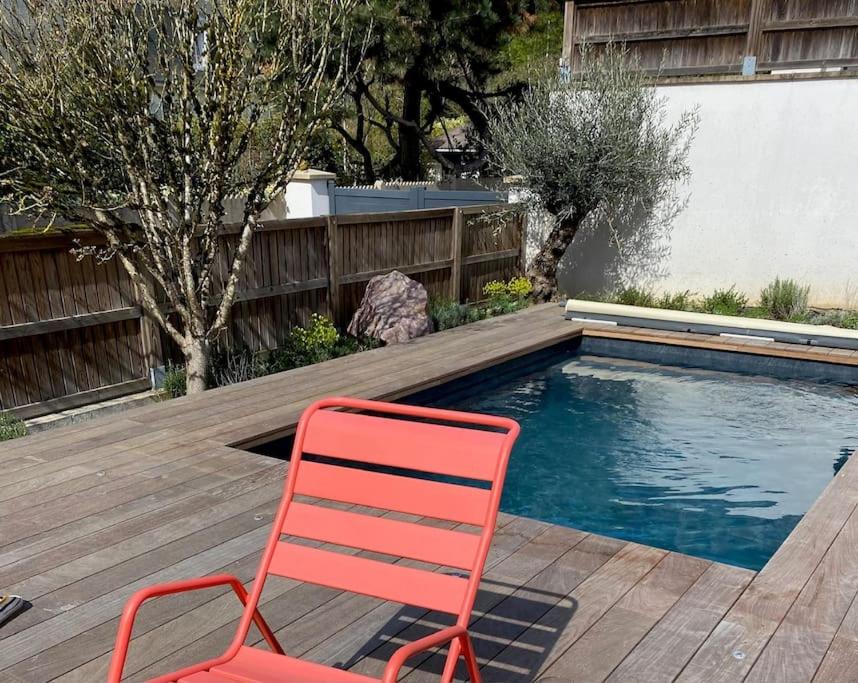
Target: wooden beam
{"x":456,"y":255}
{"x":72,"y":322}
{"x":281,"y":290}
{"x":568,"y":33}
{"x":755,"y":22}
{"x":393,"y":216}
{"x":332,"y":243}
{"x":810,"y":24}
{"x":353,"y":278}
{"x":277,"y":226}
{"x":27,"y":412}
{"x":492,"y":256}
{"x":660,"y":34}
{"x":53,"y":240}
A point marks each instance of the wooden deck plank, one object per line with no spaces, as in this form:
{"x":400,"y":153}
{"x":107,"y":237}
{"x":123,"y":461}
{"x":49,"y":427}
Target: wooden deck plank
{"x":797,"y":647}
{"x":662,"y":654}
{"x":499,"y":581}
{"x":504,"y":628}
{"x":595,"y":654}
{"x":736,"y":643}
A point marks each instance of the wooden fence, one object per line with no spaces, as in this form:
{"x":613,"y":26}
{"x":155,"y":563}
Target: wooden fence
{"x":72,"y":333}
{"x":694,"y":37}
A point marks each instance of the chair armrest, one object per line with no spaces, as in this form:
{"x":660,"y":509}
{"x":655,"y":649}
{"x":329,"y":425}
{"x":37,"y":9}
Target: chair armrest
{"x":126,"y":623}
{"x":391,"y":671}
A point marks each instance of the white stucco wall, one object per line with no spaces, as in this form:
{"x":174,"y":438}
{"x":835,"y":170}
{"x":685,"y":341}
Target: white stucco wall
{"x":774,"y":192}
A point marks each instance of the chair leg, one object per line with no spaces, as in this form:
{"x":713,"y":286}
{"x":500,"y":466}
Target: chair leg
{"x":470,"y":659}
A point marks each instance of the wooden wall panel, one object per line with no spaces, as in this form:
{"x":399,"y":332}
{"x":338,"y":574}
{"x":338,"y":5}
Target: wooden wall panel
{"x":73,"y":328}
{"x":695,"y":37}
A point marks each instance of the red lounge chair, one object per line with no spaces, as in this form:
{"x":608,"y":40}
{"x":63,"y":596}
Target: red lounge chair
{"x":462,"y":451}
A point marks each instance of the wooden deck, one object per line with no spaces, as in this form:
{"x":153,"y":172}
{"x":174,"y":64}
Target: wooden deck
{"x":90,"y":513}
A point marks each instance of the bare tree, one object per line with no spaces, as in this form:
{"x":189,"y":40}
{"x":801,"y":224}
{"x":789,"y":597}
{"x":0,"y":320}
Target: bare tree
{"x":591,"y":149}
{"x":132,"y":118}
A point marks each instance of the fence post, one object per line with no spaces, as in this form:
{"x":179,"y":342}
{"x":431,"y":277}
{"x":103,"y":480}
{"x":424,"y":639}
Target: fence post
{"x":456,"y":255}
{"x":752,"y":45}
{"x":522,"y":236}
{"x":332,"y":243}
{"x":150,"y":343}
{"x":568,"y":48}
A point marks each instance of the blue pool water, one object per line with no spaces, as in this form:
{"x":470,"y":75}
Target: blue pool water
{"x":713,"y":464}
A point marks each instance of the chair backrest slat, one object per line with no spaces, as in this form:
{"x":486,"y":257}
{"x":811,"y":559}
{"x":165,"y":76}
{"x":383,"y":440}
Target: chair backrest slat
{"x":382,"y":535}
{"x":430,"y":590}
{"x":439,"y":449}
{"x":453,"y":502}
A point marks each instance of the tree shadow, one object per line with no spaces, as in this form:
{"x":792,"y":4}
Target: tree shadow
{"x":514,"y":630}
{"x":633,"y":250}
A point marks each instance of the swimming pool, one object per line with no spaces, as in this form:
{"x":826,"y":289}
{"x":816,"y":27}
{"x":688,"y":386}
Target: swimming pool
{"x":720,"y":465}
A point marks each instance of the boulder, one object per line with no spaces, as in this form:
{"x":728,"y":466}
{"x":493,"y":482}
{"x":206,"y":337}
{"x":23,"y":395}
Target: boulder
{"x":393,"y":309}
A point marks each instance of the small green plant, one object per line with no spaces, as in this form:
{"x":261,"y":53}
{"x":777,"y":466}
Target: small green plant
{"x":314,"y":343}
{"x":677,"y":301}
{"x":845,"y":319}
{"x":785,"y":300}
{"x":725,"y":302}
{"x":447,"y":314}
{"x":11,"y":427}
{"x":634,"y":296}
{"x":175,"y":381}
{"x":230,"y":367}
{"x":506,"y":297}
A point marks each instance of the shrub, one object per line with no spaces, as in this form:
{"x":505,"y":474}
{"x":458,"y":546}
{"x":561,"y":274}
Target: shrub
{"x":725,"y":302}
{"x":634,"y":296}
{"x":446,"y":314}
{"x":785,"y":299}
{"x":229,"y":367}
{"x":319,"y":341}
{"x":845,"y":319}
{"x":678,"y":301}
{"x":506,"y":297}
{"x":11,"y":427}
{"x":175,"y":381}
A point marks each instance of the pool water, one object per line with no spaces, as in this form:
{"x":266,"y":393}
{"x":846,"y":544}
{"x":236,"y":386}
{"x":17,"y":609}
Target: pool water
{"x":714,"y":464}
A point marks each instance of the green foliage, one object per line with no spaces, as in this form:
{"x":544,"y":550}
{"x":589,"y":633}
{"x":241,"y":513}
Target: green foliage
{"x":318,"y":342}
{"x":725,"y":302}
{"x":424,"y":62}
{"x":447,"y":314}
{"x":314,"y":343}
{"x":506,"y":297}
{"x":677,"y":301}
{"x":594,"y":144}
{"x":11,"y":427}
{"x":230,"y":367}
{"x":175,"y":381}
{"x":634,"y":296}
{"x":541,"y":37}
{"x":785,"y":300}
{"x":845,"y":319}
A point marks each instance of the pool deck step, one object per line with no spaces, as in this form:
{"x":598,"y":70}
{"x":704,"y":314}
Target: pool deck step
{"x":90,"y":512}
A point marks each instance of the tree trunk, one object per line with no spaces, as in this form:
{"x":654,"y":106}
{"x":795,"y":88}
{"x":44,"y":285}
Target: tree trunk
{"x":409,"y":134}
{"x":197,"y":354}
{"x":542,"y":272}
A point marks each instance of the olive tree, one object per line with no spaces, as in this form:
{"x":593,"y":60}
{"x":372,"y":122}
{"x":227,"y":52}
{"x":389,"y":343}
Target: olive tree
{"x":593,"y":148}
{"x":133,"y":118}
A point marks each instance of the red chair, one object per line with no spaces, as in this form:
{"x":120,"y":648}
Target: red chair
{"x":467,"y":451}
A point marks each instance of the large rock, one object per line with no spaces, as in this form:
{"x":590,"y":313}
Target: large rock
{"x":393,"y":309}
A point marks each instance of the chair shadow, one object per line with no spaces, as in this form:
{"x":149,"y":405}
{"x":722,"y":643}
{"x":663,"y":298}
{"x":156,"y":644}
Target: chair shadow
{"x":513,"y":633}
